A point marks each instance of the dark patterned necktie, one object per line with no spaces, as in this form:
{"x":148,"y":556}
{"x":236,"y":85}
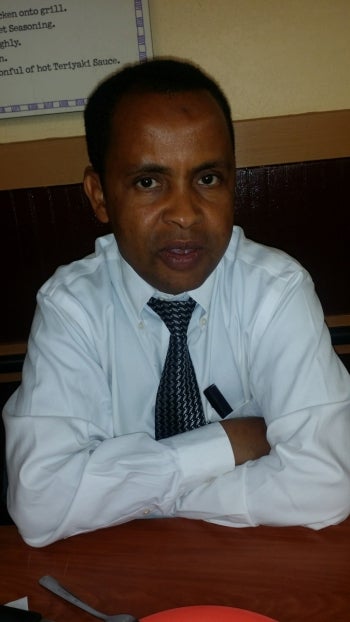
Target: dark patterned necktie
{"x":178,"y":404}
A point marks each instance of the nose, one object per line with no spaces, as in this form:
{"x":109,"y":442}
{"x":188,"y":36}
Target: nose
{"x":183,"y":208}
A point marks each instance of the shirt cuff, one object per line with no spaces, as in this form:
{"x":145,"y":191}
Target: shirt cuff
{"x":202,"y":454}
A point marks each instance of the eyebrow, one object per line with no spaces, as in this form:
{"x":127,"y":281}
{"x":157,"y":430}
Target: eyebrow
{"x":212,"y":164}
{"x":149,"y":168}
{"x":152,"y":167}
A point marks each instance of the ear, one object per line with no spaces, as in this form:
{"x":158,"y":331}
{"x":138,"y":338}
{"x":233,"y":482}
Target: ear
{"x":94,"y":192}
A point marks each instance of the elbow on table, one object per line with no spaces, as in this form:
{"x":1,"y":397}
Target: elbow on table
{"x":32,"y":510}
{"x":32,"y":523}
{"x":331,"y":501}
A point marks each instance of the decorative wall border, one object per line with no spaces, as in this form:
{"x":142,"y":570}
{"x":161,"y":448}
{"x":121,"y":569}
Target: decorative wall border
{"x":140,"y":25}
{"x":45,"y":106}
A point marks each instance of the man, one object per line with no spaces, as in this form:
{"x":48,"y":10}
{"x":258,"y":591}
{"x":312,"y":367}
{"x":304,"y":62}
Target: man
{"x":93,"y":436}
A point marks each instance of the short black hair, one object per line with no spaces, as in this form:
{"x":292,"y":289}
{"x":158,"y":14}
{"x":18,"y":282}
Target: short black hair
{"x":153,"y":76}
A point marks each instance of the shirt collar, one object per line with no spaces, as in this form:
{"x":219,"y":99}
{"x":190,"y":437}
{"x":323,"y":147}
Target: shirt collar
{"x":138,"y":291}
{"x":203,"y":294}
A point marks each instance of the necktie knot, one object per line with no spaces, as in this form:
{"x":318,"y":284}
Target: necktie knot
{"x":176,"y":314}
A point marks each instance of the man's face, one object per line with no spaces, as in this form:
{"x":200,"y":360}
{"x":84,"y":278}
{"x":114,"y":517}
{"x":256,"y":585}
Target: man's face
{"x":168,"y":187}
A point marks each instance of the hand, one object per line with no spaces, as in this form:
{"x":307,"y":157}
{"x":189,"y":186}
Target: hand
{"x":247,"y":436}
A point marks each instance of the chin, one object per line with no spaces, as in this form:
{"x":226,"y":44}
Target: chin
{"x":180,"y":288}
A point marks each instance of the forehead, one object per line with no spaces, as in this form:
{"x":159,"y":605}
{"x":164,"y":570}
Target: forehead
{"x":144,"y":113}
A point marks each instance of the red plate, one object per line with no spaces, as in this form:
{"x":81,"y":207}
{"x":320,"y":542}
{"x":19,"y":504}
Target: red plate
{"x":207,"y":613}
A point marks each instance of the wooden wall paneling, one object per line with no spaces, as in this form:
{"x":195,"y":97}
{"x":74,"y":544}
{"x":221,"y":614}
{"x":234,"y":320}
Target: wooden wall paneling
{"x":275,"y":140}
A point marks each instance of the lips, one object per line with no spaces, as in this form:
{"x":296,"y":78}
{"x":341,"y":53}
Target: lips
{"x":181,"y":251}
{"x":180,"y":255}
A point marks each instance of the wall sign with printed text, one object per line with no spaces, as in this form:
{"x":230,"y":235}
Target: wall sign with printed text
{"x":52,"y":55}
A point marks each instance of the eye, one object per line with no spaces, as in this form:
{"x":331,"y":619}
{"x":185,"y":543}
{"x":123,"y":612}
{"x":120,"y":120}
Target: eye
{"x":209,"y":180}
{"x":146,"y":183}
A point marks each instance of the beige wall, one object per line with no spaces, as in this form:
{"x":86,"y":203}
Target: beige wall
{"x":273,"y":57}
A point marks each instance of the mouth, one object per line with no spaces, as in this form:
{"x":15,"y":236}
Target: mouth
{"x":179,"y":255}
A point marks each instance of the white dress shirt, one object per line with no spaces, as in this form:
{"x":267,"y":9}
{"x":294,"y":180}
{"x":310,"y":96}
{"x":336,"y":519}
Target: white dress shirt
{"x":80,"y":430}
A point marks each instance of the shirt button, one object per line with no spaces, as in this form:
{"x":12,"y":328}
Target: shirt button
{"x":146,"y":511}
{"x":203,"y":321}
{"x":141,"y":325}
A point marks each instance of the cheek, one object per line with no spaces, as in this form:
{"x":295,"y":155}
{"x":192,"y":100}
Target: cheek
{"x":133,"y":236}
{"x":221,"y":221}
